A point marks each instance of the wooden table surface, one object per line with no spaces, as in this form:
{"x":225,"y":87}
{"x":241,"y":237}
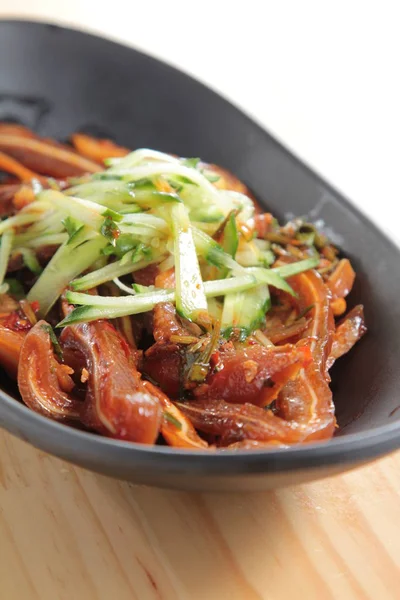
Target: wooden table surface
{"x":66,"y":533}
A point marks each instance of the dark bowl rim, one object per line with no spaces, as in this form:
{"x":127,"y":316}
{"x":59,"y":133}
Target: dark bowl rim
{"x":366,"y":444}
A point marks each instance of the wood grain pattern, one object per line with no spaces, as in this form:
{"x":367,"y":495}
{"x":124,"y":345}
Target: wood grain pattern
{"x":66,"y":533}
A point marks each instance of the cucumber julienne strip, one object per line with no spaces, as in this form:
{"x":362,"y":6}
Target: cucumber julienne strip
{"x":132,"y":159}
{"x":297,"y":267}
{"x":254,"y":276}
{"x":5,"y":250}
{"x":244,"y":311}
{"x":55,"y":239}
{"x":73,"y":257}
{"x":87,"y":212}
{"x":108,"y":307}
{"x":96,"y":204}
{"x":30,"y":260}
{"x":112,"y":270}
{"x":17,"y":220}
{"x":214,"y":253}
{"x":190,"y":297}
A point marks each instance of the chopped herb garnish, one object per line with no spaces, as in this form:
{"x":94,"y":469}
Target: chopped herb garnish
{"x":109,"y":229}
{"x":15,"y":288}
{"x":107,"y":177}
{"x":71,"y":225}
{"x":304,"y":312}
{"x":141,"y":251}
{"x":171,"y":419}
{"x":30,"y":261}
{"x":191,"y":162}
{"x":212,"y":177}
{"x":53,"y":338}
{"x":143,"y":184}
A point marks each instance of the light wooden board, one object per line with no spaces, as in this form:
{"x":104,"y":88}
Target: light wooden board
{"x":66,"y":533}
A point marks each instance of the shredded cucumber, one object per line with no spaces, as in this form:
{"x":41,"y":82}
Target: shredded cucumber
{"x":245,"y":311}
{"x":141,"y":155}
{"x":47,"y":239}
{"x":18,"y":220}
{"x":5,"y":251}
{"x":214,"y":254}
{"x":297,"y":267}
{"x":87,"y":212}
{"x":190,"y":297}
{"x":30,"y":260}
{"x":111,"y":307}
{"x":231,"y":236}
{"x":271,"y":277}
{"x":73,"y":257}
{"x":149,"y":208}
{"x":113,"y":270}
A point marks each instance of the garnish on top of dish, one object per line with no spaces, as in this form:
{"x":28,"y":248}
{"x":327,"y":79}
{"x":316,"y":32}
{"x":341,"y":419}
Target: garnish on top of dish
{"x":147,"y":298}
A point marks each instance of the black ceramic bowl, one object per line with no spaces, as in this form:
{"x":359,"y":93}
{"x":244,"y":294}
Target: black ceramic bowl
{"x":58,"y":81}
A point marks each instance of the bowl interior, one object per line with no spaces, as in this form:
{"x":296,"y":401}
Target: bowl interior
{"x":81,"y":82}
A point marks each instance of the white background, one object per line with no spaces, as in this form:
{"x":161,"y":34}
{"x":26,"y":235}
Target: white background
{"x":323,"y":76}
